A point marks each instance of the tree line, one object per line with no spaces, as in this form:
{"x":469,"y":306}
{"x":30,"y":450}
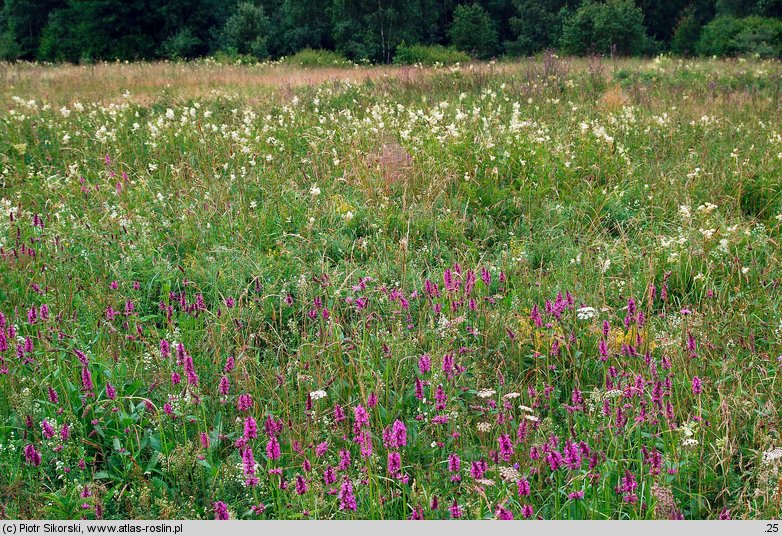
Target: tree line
{"x":377,"y":30}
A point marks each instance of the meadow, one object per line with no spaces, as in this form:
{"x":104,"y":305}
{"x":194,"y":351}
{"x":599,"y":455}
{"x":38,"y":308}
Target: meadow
{"x":538,"y":290}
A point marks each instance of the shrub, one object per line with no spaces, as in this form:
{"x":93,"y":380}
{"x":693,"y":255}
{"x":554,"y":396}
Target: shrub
{"x":428,"y":55}
{"x":600,"y":28}
{"x":473,"y":31}
{"x":317,"y":58}
{"x":731,"y":36}
{"x":181,"y":45}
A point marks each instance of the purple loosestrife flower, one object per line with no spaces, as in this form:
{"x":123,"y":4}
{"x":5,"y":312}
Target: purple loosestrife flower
{"x":419,"y":389}
{"x":347,"y":501}
{"x":572,"y":455}
{"x":554,"y":460}
{"x":697,"y":385}
{"x":454,"y":465}
{"x":111,"y":392}
{"x":32,"y":456}
{"x":478,"y":469}
{"x":250,"y":428}
{"x":192,"y":377}
{"x":399,"y":434}
{"x":360,"y":416}
{"x":344,"y":459}
{"x":339,"y":414}
{"x":329,"y":475}
{"x":440,"y":398}
{"x":244,"y":402}
{"x":627,"y":486}
{"x":526,"y":511}
{"x":165,"y":349}
{"x":448,"y":365}
{"x":273,"y":449}
{"x":523,"y":487}
{"x":469,"y":282}
{"x":86,"y":380}
{"x":221,"y":511}
{"x":503,"y":513}
{"x":248,"y":464}
{"x":424,"y":364}
{"x":456,"y":510}
{"x":225,"y":386}
{"x":692,"y":346}
{"x":301,"y":485}
{"x":506,"y":447}
{"x":366,"y":444}
{"x":321,"y":449}
{"x":53,"y":397}
{"x":65,"y":432}
{"x":204,"y":440}
{"x":394,"y":464}
{"x":485,"y":276}
{"x":47,"y":430}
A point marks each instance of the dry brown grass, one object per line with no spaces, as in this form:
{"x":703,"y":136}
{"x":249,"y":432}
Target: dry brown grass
{"x":147,"y":82}
{"x":614,"y":99}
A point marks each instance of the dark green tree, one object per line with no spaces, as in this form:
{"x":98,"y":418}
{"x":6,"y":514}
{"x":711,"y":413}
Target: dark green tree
{"x":372,"y":29}
{"x":100,"y":29}
{"x":686,"y":33}
{"x":21,"y":25}
{"x":661,"y":17}
{"x":601,"y":28}
{"x":473,"y":31}
{"x":536,"y":25}
{"x":247,"y":31}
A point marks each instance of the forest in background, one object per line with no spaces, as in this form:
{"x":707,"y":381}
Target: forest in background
{"x":383,"y":31}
